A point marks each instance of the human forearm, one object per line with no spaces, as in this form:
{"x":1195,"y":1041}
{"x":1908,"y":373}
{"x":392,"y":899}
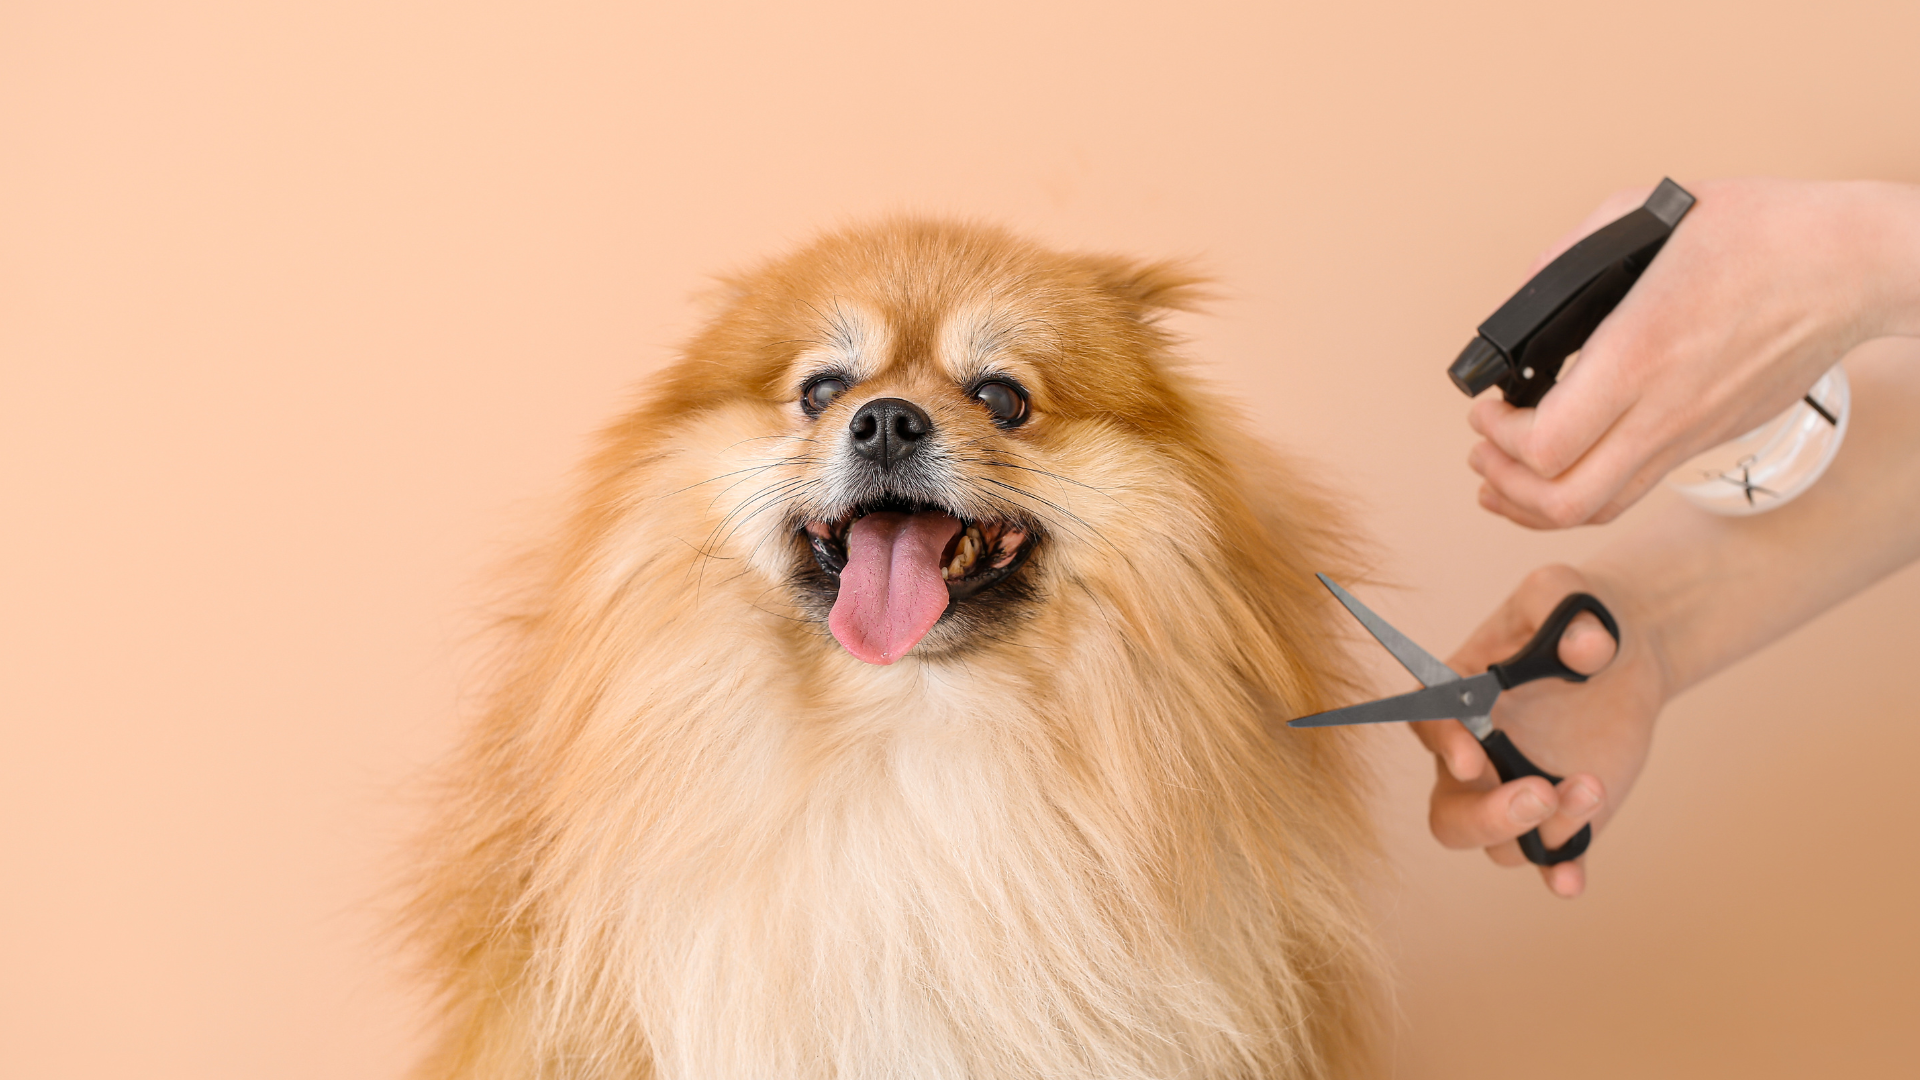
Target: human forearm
{"x":1710,"y":590}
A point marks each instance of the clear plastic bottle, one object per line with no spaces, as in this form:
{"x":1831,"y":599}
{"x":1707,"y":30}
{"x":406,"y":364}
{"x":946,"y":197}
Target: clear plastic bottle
{"x":1773,"y":463}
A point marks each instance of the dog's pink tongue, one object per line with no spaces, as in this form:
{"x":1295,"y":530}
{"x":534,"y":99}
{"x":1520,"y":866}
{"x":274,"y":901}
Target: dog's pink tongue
{"x":891,"y":592}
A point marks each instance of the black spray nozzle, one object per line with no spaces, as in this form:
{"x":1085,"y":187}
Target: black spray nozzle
{"x":1480,"y":365}
{"x":1522,"y":346}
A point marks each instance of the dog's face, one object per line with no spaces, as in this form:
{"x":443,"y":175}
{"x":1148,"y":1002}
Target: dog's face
{"x":911,"y":528}
{"x":929,"y":430}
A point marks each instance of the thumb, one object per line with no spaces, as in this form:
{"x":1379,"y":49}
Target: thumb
{"x":1586,"y":647}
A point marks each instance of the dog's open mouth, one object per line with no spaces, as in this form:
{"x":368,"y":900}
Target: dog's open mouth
{"x":899,"y":565}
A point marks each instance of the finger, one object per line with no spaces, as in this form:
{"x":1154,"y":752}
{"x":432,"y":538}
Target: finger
{"x":1586,"y":647}
{"x":1507,"y":854}
{"x":1462,"y":817}
{"x":1490,"y":497}
{"x":1455,"y":747}
{"x":1573,"y":497}
{"x":1520,"y":494}
{"x":1587,"y":400}
{"x":1491,"y":502}
{"x":1566,"y":880}
{"x":1578,"y":799}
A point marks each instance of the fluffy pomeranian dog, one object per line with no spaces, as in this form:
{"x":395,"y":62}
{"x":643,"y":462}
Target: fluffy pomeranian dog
{"x":898,"y":702}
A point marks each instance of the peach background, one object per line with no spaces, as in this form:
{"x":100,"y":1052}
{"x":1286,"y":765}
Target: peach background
{"x":306,"y":309}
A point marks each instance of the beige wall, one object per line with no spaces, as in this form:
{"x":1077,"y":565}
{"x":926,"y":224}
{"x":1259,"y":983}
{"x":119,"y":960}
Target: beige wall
{"x":306,"y":308}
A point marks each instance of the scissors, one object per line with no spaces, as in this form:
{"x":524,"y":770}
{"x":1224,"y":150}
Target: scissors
{"x":1470,"y":699}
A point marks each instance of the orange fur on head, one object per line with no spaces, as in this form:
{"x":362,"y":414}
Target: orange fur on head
{"x":695,"y":836}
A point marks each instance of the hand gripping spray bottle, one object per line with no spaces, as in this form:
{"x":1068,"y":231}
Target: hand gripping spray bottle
{"x":1523,"y":346}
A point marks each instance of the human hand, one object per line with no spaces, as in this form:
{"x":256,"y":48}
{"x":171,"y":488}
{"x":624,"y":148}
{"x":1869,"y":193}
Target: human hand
{"x":1764,"y":286}
{"x":1594,"y":734}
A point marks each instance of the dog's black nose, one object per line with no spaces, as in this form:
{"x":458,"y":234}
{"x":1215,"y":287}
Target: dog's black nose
{"x":888,"y":430}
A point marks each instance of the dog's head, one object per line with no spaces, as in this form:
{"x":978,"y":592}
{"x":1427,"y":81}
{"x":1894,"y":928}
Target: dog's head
{"x":951,"y":419}
{"x":922,"y":436}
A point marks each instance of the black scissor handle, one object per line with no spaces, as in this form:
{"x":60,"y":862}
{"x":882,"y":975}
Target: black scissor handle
{"x":1540,"y":659}
{"x":1511,"y":764}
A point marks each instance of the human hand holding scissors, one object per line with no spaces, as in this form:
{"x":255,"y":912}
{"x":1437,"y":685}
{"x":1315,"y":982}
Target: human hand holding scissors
{"x":1555,"y":721}
{"x":1597,"y":733}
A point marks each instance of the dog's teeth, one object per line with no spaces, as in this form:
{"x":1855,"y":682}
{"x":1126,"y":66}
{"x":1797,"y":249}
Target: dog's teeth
{"x":964,"y":554}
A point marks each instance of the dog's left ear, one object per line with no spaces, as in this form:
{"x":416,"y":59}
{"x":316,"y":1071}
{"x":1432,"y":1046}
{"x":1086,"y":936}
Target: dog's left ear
{"x":1150,"y":289}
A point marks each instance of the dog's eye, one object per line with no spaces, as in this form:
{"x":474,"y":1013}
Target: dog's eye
{"x":1007,"y":402}
{"x":820,"y":393}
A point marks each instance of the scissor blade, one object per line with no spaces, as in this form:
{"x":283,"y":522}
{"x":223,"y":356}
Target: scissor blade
{"x":1470,"y":697}
{"x":1425,"y":667}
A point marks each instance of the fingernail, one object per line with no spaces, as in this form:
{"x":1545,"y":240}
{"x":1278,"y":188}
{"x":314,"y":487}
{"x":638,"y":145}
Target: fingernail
{"x":1528,"y":809}
{"x":1580,"y":799}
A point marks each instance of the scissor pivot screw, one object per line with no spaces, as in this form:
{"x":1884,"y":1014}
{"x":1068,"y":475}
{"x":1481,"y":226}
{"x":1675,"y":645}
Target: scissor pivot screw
{"x":1466,"y":697}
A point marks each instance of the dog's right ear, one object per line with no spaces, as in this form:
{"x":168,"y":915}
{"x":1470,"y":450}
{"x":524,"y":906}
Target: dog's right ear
{"x":1149,"y":289}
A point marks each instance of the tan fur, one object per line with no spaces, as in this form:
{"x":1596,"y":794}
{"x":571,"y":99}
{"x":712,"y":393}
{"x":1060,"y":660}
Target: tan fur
{"x":694,"y":837}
